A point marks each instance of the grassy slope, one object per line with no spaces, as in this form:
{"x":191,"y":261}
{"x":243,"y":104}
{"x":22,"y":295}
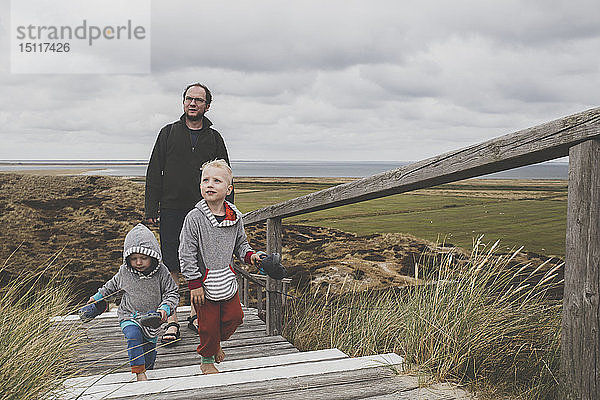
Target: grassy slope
{"x":519,"y":213}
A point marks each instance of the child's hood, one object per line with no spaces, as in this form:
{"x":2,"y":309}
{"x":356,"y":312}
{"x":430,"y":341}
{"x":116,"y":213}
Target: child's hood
{"x":141,"y":240}
{"x":232,"y":214}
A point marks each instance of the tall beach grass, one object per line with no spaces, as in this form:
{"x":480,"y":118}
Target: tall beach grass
{"x":35,"y":357}
{"x":474,"y":321}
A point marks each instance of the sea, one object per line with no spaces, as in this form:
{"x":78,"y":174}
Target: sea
{"x":352,"y":169}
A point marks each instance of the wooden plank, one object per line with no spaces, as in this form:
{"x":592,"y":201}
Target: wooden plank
{"x":108,"y":318}
{"x":580,"y":351}
{"x":257,"y":332}
{"x":240,"y":282}
{"x":376,"y":388}
{"x":96,"y":351}
{"x":116,"y":342}
{"x":115,"y":337}
{"x":111,"y":329}
{"x":120,"y":363}
{"x":109,"y":326}
{"x":259,"y":299}
{"x":111,"y":332}
{"x":239,"y":377}
{"x":529,"y":146}
{"x":186,"y":346}
{"x":106,"y":338}
{"x":433,"y":392}
{"x":340,"y":385}
{"x":237,"y":353}
{"x":245,"y":292}
{"x":394,"y":388}
{"x":225,"y":366}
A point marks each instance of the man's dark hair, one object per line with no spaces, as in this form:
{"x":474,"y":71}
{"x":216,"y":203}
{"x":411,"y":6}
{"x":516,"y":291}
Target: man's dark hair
{"x":207,"y":90}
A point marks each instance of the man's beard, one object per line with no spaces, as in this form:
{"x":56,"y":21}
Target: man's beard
{"x":196,"y":117}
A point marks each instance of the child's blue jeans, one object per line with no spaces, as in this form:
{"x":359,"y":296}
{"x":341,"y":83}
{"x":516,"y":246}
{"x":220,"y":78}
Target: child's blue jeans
{"x":141,"y":351}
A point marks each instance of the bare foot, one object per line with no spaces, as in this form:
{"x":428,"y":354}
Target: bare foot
{"x":220,"y":356}
{"x":142,"y":377}
{"x":209,"y":369}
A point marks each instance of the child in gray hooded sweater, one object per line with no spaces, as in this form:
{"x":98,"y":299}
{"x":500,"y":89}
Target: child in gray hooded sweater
{"x":212,"y":233}
{"x":147,"y":286}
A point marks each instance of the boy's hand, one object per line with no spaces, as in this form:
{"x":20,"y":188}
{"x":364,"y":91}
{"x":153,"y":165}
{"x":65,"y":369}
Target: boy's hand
{"x":197,"y":297}
{"x":255,"y":259}
{"x":163,"y":315}
{"x":91,"y":300}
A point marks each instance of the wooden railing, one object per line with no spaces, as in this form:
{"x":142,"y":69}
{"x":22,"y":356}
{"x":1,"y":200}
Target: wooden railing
{"x":273,"y":294}
{"x":576,"y":136}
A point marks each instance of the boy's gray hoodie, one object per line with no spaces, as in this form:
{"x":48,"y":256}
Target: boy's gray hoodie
{"x":207,"y":247}
{"x":142,"y":293}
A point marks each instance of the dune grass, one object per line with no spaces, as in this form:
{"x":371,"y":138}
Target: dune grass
{"x":476,"y":322}
{"x":35,"y":358}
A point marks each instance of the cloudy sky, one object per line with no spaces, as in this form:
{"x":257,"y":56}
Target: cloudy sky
{"x":320,"y":80}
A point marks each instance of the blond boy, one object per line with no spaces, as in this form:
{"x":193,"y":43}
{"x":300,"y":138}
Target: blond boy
{"x":212,"y":233}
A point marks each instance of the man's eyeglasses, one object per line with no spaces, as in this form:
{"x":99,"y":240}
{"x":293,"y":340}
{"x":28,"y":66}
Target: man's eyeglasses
{"x":199,"y":100}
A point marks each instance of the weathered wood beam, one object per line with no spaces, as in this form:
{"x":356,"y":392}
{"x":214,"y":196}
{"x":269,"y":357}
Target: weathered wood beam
{"x":580,"y":344}
{"x":274,"y":317}
{"x":529,"y":146}
{"x":246,"y":293}
{"x":259,"y":301}
{"x":274,"y":235}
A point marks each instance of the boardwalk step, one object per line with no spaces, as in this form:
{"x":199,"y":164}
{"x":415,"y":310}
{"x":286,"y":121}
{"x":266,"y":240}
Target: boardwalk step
{"x":237,"y":372}
{"x":225,"y":366}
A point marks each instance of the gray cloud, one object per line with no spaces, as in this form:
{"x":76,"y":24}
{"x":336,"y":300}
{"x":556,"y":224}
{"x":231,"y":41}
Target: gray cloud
{"x":273,"y":35}
{"x":346,"y":80}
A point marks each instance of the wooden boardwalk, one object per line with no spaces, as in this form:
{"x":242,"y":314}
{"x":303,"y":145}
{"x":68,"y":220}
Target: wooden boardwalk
{"x":106,"y":348}
{"x":257,"y":366}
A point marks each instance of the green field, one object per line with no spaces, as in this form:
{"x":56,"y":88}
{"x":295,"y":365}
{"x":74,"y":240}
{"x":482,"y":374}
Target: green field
{"x":519,"y":213}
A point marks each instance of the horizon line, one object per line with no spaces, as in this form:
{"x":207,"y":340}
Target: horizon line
{"x":145,"y":161}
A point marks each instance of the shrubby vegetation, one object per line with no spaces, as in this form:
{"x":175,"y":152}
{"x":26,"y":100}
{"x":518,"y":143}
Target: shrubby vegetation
{"x":477,"y":322}
{"x":35,"y":358}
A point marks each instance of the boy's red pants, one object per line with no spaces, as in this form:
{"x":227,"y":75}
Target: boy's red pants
{"x":217,"y":320}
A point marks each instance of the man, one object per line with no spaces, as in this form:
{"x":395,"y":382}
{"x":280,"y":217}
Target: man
{"x":173,"y":177}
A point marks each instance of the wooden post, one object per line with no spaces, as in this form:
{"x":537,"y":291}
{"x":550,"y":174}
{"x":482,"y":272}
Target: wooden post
{"x":284,"y":300}
{"x":245,"y":293}
{"x":259,"y":300}
{"x":274,"y":319}
{"x":240,"y":281}
{"x":580,"y":346}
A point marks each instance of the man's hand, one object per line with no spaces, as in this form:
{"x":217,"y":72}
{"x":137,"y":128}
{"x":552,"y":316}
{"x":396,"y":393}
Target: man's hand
{"x":91,"y":300}
{"x":152,"y":221}
{"x":163,"y":315}
{"x":197,"y":297}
